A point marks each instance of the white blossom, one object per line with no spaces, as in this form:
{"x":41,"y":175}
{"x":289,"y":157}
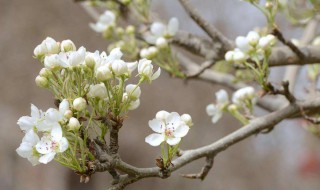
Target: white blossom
{"x":27,"y":123}
{"x":73,"y":58}
{"x":27,"y":147}
{"x":47,"y":47}
{"x":186,"y":118}
{"x":243,"y":95}
{"x":145,"y":69}
{"x":170,"y":129}
{"x":67,"y":45}
{"x":73,"y":124}
{"x":158,"y":30}
{"x":106,"y":20}
{"x":216,"y":110}
{"x":134,"y":104}
{"x":119,"y":67}
{"x":41,"y":81}
{"x":267,"y":41}
{"x":133,"y":91}
{"x":98,"y":91}
{"x":50,"y":145}
{"x":79,"y":104}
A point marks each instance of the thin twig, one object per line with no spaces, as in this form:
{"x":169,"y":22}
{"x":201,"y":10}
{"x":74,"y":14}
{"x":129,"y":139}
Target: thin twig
{"x":215,"y":35}
{"x":204,"y":171}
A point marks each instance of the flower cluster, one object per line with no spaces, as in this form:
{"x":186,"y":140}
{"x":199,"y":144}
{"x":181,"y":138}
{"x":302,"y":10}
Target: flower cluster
{"x":169,"y":128}
{"x":243,"y":98}
{"x":52,"y":142}
{"x":91,"y":88}
{"x":251,"y":45}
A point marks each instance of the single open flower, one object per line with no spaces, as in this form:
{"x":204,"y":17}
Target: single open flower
{"x":50,"y":145}
{"x":171,"y":128}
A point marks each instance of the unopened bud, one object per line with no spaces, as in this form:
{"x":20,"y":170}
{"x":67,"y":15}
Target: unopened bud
{"x":68,"y":114}
{"x":130,"y":29}
{"x":67,"y":45}
{"x":73,"y":124}
{"x":186,"y":118}
{"x":79,"y":104}
{"x":44,"y":72}
{"x":41,"y":81}
{"x":161,"y":43}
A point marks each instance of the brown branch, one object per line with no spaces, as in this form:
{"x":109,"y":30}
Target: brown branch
{"x":214,"y":34}
{"x":204,"y":171}
{"x":293,"y":47}
{"x":254,"y":127}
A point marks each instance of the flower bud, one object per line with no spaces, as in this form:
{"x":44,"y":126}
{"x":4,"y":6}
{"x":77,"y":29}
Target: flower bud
{"x":186,"y":118}
{"x":67,"y":45}
{"x":161,"y":43}
{"x":103,"y":73}
{"x":133,"y":91}
{"x":316,"y":41}
{"x":130,"y":29}
{"x":68,"y":114}
{"x":119,"y":31}
{"x":98,"y":91}
{"x":134,"y":105}
{"x":119,"y":67}
{"x":253,"y":38}
{"x":239,"y":56}
{"x":79,"y":104}
{"x":41,"y":81}
{"x":153,"y":52}
{"x":44,"y":72}
{"x":73,"y":124}
{"x":144,"y":53}
{"x":91,"y":59}
{"x":229,"y":56}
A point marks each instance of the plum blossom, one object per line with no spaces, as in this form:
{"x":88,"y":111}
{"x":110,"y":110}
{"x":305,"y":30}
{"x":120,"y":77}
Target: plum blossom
{"x":158,"y":30}
{"x":27,"y":147}
{"x":50,"y":145}
{"x":65,"y":59}
{"x":216,"y":110}
{"x":169,"y":127}
{"x":106,"y":20}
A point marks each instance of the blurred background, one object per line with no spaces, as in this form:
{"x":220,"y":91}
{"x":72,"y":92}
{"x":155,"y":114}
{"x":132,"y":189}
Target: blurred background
{"x":285,"y":159}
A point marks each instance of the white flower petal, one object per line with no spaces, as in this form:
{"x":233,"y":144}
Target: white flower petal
{"x":64,"y":106}
{"x":34,"y":160}
{"x":222,"y":97}
{"x":63,"y":144}
{"x":44,"y":146}
{"x":24,"y":150}
{"x":181,"y":131}
{"x":173,"y":120}
{"x":47,"y":158}
{"x":26,"y":123}
{"x":31,"y":137}
{"x":157,"y":125}
{"x":156,"y":74}
{"x":211,"y":109}
{"x":56,"y":133}
{"x":173,"y":141}
{"x":162,"y":115}
{"x":158,"y":29}
{"x":173,"y":26}
{"x":35,"y":112}
{"x":216,"y":117}
{"x":155,"y":139}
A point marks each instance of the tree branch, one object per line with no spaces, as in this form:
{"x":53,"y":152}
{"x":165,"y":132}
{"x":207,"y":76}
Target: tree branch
{"x":214,"y":34}
{"x":254,"y":127}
